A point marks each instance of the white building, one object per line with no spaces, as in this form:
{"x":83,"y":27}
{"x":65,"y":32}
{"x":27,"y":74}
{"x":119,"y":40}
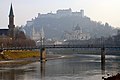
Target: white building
{"x":77,"y":34}
{"x":36,"y":36}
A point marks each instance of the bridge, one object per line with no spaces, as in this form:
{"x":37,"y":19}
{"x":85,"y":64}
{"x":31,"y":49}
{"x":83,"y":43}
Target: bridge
{"x":42,"y":54}
{"x":58,"y":46}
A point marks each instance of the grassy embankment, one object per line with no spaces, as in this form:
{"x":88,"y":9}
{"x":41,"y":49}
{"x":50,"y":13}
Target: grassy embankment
{"x":18,"y":54}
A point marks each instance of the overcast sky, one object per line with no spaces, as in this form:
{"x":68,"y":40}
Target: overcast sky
{"x":97,"y":10}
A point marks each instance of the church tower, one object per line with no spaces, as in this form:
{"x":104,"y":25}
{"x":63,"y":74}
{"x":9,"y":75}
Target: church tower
{"x":11,"y":25}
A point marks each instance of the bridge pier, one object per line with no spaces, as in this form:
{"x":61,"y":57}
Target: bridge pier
{"x":42,"y":54}
{"x":103,"y":58}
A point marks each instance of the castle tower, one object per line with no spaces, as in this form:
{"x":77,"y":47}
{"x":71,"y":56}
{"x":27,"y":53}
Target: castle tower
{"x":11,"y":25}
{"x":82,"y":13}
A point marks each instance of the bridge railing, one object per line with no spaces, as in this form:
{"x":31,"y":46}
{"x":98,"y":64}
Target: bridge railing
{"x":58,"y":46}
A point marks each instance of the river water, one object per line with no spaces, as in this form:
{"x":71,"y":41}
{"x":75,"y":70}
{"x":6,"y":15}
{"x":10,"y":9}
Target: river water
{"x":78,"y":67}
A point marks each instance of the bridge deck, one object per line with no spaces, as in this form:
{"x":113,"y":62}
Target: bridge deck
{"x":57,"y":46}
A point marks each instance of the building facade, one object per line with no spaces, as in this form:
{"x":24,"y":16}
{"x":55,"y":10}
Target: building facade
{"x":77,"y":34}
{"x":36,"y":35}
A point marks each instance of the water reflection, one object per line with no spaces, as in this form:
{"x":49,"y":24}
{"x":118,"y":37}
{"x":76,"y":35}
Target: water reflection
{"x":42,"y":70}
{"x":25,"y":72}
{"x":103,"y":70}
{"x":11,"y":75}
{"x":103,"y":65}
{"x":82,"y":67}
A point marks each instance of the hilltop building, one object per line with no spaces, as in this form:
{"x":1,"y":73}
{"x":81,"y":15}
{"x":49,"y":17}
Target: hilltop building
{"x":77,"y":34}
{"x":62,"y":13}
{"x":59,"y":13}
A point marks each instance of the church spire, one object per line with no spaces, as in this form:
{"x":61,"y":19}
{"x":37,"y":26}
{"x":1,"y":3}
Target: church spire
{"x":11,"y":25}
{"x":11,"y":11}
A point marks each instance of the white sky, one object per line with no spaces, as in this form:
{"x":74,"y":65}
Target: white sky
{"x":97,"y":10}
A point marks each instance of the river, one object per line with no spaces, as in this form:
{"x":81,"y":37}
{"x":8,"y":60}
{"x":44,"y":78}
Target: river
{"x":78,"y":67}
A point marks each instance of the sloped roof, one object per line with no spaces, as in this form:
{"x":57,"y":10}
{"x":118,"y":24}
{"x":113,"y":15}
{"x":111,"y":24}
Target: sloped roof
{"x":11,"y":11}
{"x":3,"y":31}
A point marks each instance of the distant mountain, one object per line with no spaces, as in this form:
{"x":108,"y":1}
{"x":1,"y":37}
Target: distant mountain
{"x":55,"y":25}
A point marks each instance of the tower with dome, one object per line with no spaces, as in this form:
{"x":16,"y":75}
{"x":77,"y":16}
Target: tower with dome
{"x":77,"y":34}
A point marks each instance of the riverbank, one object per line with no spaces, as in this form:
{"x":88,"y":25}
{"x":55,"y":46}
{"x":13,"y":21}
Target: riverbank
{"x":18,"y":54}
{"x":116,"y":77}
{"x":18,"y":57}
{"x":21,"y":57}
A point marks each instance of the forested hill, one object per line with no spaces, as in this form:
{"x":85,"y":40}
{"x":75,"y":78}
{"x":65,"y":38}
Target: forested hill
{"x":56,"y":27}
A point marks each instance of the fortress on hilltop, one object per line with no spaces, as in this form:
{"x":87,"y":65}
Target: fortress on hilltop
{"x":62,"y":13}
